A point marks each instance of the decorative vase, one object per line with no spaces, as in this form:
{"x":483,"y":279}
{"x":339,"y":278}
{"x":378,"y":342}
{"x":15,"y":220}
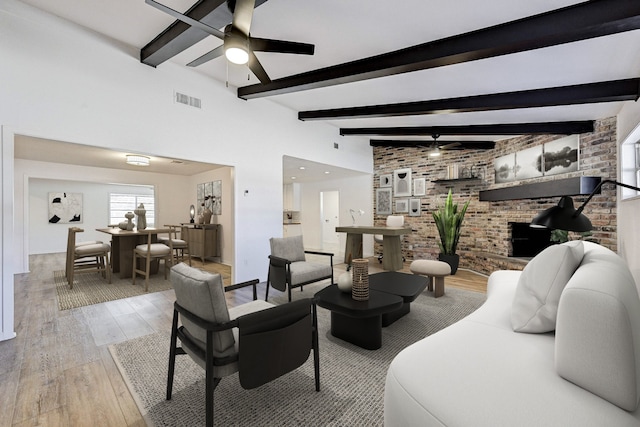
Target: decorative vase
{"x":206,"y":216}
{"x":452,"y":260}
{"x":360,"y":287}
{"x":345,"y":282}
{"x":128,"y":224}
{"x":141,"y":213}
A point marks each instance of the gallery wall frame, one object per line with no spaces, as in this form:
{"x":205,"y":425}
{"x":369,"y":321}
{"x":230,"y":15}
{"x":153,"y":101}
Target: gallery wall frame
{"x":386,"y":180}
{"x":419,"y":186}
{"x":402,"y":205}
{"x":65,"y":208}
{"x":415,"y":207}
{"x":383,"y":201}
{"x":402,"y":182}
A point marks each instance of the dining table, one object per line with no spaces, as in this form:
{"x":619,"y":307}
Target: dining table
{"x":123,"y":242}
{"x":391,"y":247}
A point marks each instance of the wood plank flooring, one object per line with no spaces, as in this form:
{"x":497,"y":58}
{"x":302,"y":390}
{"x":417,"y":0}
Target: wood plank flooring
{"x":58,"y":370}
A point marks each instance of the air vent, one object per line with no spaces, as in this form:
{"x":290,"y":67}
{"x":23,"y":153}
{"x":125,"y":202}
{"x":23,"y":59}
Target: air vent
{"x":191,"y":101}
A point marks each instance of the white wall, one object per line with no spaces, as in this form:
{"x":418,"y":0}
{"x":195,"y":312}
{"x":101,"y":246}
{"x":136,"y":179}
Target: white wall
{"x":355,"y":193}
{"x":628,"y":224}
{"x":45,"y":237}
{"x":62,"y":82}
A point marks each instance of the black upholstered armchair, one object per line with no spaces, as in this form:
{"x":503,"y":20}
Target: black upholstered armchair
{"x":288,"y":267}
{"x":258,"y":340}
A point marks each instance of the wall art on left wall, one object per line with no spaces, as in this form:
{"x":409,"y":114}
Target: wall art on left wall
{"x":65,"y":208}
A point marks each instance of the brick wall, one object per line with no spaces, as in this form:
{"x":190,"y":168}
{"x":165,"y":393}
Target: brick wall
{"x":484,"y":244}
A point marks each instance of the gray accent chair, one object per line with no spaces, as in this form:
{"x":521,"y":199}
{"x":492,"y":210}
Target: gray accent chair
{"x":258,"y":340}
{"x":288,"y":267}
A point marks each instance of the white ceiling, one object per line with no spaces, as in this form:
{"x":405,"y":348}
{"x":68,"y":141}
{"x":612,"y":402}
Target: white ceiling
{"x":343,"y":31}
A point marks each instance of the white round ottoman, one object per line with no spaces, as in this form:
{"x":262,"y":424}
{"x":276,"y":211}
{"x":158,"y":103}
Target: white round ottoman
{"x":436,"y":270}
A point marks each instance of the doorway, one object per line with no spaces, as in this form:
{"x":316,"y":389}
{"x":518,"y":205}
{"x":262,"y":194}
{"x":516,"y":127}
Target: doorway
{"x":330,"y":218}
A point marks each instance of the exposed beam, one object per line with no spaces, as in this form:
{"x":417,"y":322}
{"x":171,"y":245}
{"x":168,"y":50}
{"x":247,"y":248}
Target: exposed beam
{"x":589,"y":93}
{"x":553,"y":128}
{"x":180,"y":36}
{"x":582,"y":21}
{"x":461,"y":145}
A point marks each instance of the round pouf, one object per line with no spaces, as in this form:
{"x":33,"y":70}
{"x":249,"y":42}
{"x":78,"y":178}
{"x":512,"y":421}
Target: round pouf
{"x":345,"y":282}
{"x":435,"y":270}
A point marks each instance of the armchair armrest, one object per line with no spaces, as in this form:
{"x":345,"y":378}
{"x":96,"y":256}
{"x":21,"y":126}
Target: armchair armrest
{"x":278,"y":262}
{"x":319,"y":253}
{"x":253,"y":283}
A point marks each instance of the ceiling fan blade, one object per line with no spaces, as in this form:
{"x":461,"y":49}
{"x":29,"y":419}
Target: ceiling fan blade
{"x":280,"y":46}
{"x":257,"y":69}
{"x":448,"y":146}
{"x":212,"y":54}
{"x":187,"y":20}
{"x":243,"y":14}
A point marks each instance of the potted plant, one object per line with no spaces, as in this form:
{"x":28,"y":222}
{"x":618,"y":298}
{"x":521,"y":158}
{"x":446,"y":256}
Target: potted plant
{"x":449,"y":222}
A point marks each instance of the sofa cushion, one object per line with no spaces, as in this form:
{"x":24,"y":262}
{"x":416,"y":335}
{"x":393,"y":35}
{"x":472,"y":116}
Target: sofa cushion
{"x":289,"y":248}
{"x":598,"y":329}
{"x":535,"y":305}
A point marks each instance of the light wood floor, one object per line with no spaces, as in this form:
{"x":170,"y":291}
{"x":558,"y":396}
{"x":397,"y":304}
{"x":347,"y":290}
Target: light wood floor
{"x":58,"y":370}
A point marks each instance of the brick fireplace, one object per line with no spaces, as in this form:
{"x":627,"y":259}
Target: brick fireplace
{"x":485,"y":244}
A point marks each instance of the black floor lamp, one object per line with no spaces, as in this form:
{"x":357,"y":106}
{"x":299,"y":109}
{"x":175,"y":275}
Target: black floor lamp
{"x":564,"y":216}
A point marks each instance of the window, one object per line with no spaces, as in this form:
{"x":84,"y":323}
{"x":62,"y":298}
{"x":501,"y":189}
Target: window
{"x":121,"y":203}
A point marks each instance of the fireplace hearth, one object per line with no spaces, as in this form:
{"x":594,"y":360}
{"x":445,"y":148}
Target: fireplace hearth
{"x":526,"y":241}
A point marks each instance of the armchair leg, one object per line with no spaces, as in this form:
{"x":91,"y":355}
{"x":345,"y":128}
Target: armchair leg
{"x":316,"y":348}
{"x":172,"y":354}
{"x":266,"y":295}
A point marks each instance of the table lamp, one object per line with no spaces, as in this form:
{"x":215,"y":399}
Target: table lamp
{"x":564,"y":216}
{"x":192,"y":213}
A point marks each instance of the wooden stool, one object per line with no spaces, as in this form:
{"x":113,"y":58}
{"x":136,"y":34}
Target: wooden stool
{"x":435,"y":270}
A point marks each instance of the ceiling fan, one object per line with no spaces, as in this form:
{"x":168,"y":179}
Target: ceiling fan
{"x":238,"y":44}
{"x":434,"y":146}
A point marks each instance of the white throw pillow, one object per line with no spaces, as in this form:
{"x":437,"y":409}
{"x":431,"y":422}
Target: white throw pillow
{"x":535,"y":305}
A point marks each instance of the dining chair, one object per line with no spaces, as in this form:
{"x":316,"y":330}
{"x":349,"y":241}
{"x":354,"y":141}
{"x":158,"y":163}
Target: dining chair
{"x":178,"y":241}
{"x":150,"y":252}
{"x":85,"y":257}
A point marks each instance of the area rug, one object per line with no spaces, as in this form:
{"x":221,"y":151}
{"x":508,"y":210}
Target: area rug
{"x":352,"y":379}
{"x":89,"y":288}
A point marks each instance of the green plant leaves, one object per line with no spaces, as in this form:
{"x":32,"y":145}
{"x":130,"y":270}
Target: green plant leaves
{"x":449,"y":223}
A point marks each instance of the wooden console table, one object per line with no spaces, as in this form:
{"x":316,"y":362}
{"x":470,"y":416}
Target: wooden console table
{"x":391,"y":248}
{"x":204,"y":240}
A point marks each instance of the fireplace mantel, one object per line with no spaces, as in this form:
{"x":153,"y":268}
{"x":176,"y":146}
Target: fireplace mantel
{"x":579,"y":185}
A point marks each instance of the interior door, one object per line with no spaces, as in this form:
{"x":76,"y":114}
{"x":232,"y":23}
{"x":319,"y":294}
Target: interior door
{"x":330,"y":217}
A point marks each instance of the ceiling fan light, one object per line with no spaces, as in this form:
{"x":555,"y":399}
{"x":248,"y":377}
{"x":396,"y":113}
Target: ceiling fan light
{"x":237,"y":55}
{"x":434,"y":153}
{"x":136,"y":160}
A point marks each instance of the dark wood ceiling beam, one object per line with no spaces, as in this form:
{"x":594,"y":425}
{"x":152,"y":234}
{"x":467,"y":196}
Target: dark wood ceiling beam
{"x":611,"y":91}
{"x":582,"y":21}
{"x":180,"y":36}
{"x":463,"y":145}
{"x":553,"y":128}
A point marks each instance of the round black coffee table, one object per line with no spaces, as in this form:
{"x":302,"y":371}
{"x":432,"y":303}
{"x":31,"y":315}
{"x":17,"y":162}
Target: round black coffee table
{"x":358,"y":322}
{"x":406,"y":286}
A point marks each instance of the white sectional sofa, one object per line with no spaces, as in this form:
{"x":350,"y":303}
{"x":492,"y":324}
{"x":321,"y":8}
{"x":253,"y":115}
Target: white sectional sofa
{"x":480,"y":372}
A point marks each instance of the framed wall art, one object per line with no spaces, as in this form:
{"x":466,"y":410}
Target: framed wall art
{"x":415,"y":208}
{"x":504,"y":168}
{"x":383,"y":201}
{"x":529,"y":163}
{"x":65,"y":208}
{"x":402,"y":205}
{"x":561,"y":155}
{"x":419,"y":187}
{"x":402,"y":182}
{"x":385,"y":180}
